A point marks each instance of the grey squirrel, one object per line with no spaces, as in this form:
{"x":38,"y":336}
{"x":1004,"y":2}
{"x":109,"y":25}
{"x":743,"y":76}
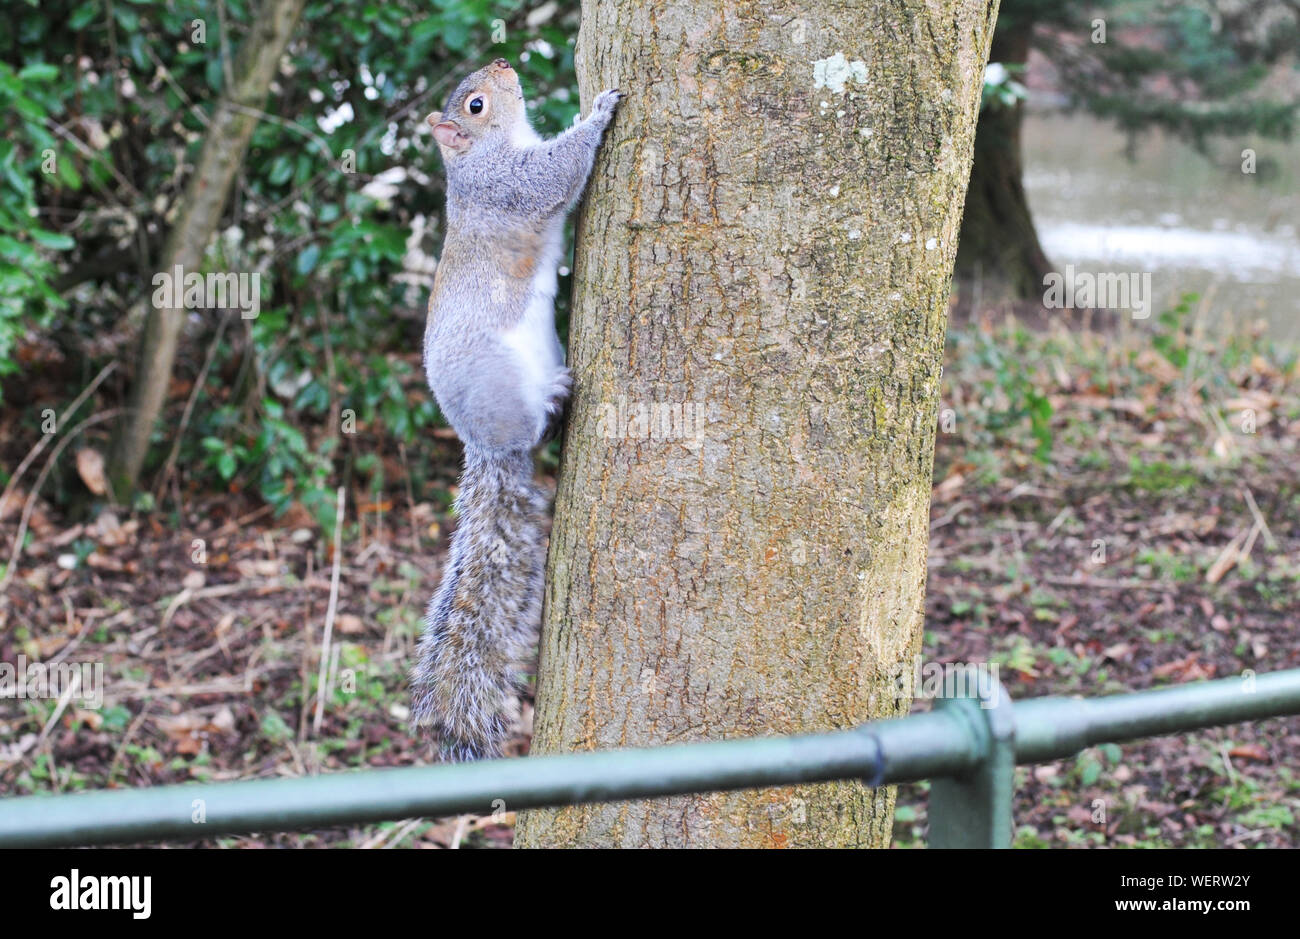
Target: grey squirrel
{"x":496,"y":367}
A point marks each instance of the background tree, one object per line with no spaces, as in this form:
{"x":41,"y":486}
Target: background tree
{"x":1194,"y":70}
{"x":197,"y":216}
{"x":768,"y":236}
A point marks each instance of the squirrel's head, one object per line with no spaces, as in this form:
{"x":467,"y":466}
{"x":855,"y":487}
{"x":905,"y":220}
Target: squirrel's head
{"x":487,"y":104}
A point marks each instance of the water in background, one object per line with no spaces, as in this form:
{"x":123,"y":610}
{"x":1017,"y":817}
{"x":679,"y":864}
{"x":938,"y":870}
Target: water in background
{"x":1188,"y":220}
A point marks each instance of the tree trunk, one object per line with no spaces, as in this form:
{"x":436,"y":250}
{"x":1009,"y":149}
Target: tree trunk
{"x":998,"y":252}
{"x":769,"y":237}
{"x":200,"y":212}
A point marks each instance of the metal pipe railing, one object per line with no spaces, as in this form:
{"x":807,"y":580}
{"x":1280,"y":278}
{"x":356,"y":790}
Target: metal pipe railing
{"x":169,"y":812}
{"x":948,"y":743}
{"x":1050,"y":728}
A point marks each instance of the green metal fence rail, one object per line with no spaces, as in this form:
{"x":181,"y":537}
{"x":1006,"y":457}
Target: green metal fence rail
{"x":969,"y":748}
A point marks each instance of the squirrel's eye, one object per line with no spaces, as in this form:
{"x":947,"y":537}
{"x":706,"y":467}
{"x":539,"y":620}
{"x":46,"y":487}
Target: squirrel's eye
{"x":476,"y":106}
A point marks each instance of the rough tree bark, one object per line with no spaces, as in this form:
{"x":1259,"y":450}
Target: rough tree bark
{"x":998,"y":245}
{"x":200,"y":212}
{"x":769,"y":235}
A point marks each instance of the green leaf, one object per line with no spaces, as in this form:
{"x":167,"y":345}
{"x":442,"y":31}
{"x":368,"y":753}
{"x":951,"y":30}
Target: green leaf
{"x":308,"y":258}
{"x":49,"y":239}
{"x":281,"y":170}
{"x":19,"y":252}
{"x":456,"y":37}
{"x":127,"y":19}
{"x":83,"y":15}
{"x":39,"y":72}
{"x":426,"y":29}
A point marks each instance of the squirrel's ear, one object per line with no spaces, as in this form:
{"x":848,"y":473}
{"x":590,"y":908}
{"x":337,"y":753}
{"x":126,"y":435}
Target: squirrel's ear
{"x":449,"y":135}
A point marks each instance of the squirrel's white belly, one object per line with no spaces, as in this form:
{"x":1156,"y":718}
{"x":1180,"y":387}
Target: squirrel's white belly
{"x":533,"y":340}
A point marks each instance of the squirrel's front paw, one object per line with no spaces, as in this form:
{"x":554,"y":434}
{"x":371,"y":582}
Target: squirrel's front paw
{"x":603,"y":107}
{"x":561,"y":388}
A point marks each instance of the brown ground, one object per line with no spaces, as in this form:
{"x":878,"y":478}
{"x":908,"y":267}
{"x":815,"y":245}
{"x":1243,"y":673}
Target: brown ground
{"x":208,"y":661}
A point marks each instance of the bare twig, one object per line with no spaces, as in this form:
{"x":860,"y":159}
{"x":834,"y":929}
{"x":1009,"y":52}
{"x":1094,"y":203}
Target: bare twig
{"x":462,"y":828}
{"x":188,"y":691}
{"x":1091,"y":583}
{"x":36,"y":488}
{"x":73,"y":687}
{"x":269,"y":585}
{"x":166,"y":74}
{"x":1228,"y":557}
{"x":1249,"y":496}
{"x":94,"y":158}
{"x":226,"y":71}
{"x":242,"y":520}
{"x":395,"y":834}
{"x":287,"y":125}
{"x":126,"y":740}
{"x":45,"y":438}
{"x":199,"y":382}
{"x":329,"y":613}
{"x":410,"y":499}
{"x":404,"y":831}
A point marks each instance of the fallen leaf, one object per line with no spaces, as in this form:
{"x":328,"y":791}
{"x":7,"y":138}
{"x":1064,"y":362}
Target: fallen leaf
{"x":1157,"y":366}
{"x":13,"y":752}
{"x":1079,"y":815}
{"x":1249,"y":751}
{"x":263,"y":567}
{"x":1188,"y":669}
{"x":92,"y":719}
{"x":111,"y":532}
{"x":189,"y":746}
{"x":224,"y":720}
{"x":12,"y":504}
{"x":104,"y":562}
{"x":948,"y":488}
{"x":1119,"y":652}
{"x":90,"y":467}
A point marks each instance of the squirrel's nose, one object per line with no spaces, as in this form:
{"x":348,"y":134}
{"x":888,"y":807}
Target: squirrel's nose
{"x":501,"y":63}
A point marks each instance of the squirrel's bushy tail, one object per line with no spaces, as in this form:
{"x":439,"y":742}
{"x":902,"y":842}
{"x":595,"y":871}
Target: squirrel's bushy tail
{"x":483,"y":620}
